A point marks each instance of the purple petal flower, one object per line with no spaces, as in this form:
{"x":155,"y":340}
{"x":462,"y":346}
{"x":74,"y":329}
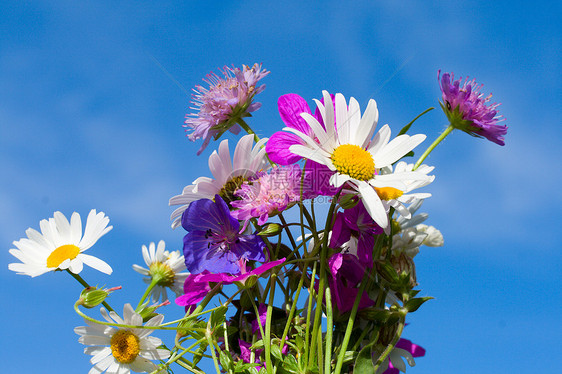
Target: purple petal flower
{"x":291,"y":106}
{"x":347,"y":272}
{"x":223,"y":103}
{"x":414,"y":349}
{"x":468,"y":109}
{"x":358,"y":223}
{"x":194,"y":290}
{"x":213,"y":241}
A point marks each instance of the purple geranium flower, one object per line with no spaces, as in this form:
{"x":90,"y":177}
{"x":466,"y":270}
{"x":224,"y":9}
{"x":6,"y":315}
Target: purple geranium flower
{"x":226,"y":100}
{"x":347,"y":272}
{"x":468,"y":110}
{"x":213,"y":241}
{"x":357,"y":223}
{"x":197,"y":286}
{"x":408,"y":350}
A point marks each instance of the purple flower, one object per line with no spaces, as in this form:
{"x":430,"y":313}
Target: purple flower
{"x":404,"y":348}
{"x":357,"y":223}
{"x":213,"y":241}
{"x":196,"y":286}
{"x":468,"y":110}
{"x":291,"y":106}
{"x":227,"y":100}
{"x":347,"y":272}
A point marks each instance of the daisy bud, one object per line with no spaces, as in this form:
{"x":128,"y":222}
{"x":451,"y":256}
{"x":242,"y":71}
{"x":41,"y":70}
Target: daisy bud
{"x":92,"y":296}
{"x":272,"y":229}
{"x":349,"y":201}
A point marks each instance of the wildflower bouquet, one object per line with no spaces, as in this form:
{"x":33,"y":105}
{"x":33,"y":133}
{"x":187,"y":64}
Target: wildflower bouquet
{"x":299,"y":250}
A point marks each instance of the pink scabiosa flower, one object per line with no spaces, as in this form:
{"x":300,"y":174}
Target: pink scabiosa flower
{"x":268,"y":194}
{"x":469,"y":110}
{"x":226,"y":101}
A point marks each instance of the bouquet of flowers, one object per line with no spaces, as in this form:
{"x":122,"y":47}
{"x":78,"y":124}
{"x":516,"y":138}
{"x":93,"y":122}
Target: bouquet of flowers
{"x":299,"y":251}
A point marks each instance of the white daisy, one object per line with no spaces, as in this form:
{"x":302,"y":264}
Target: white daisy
{"x":345,"y":145}
{"x":60,"y":245}
{"x":120,"y":350}
{"x":229,"y":174}
{"x":165,"y":268}
{"x":404,"y":196}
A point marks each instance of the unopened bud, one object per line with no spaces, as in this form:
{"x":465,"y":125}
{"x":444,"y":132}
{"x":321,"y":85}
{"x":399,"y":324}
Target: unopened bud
{"x":93,"y":296}
{"x":147,"y":312}
{"x":272,"y":229}
{"x":348,"y":201}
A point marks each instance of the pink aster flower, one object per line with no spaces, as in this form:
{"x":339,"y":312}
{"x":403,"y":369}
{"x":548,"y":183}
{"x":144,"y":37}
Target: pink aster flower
{"x":268,"y":194}
{"x":469,"y":110}
{"x":226,"y":101}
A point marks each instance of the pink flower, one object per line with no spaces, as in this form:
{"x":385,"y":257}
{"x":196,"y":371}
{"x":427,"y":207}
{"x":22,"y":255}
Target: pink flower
{"x":270,"y":193}
{"x":226,"y":101}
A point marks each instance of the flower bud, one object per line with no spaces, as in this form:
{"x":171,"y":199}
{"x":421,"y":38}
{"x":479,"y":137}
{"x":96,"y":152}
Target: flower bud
{"x":93,"y":296}
{"x":147,"y":312}
{"x":348,"y":201}
{"x":272,"y":229}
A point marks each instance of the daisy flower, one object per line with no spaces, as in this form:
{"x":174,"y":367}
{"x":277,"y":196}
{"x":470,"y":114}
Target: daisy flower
{"x":469,"y":110}
{"x":122,"y":350}
{"x":229,"y":174}
{"x":226,"y":101}
{"x":345,"y":146}
{"x":61,"y":245}
{"x":164,"y":268}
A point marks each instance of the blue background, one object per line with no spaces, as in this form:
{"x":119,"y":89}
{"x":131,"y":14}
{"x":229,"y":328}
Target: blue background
{"x":92,"y":99}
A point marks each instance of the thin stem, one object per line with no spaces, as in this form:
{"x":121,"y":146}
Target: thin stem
{"x":433,"y":145}
{"x":392,"y":344}
{"x":329,"y":332}
{"x":267,"y":338}
{"x":153,"y":283}
{"x":247,"y":128}
{"x":86,"y":285}
{"x":212,"y":347}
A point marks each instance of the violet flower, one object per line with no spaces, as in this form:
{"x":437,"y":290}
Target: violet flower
{"x":357,"y":223}
{"x":403,"y":349}
{"x":347,"y":273}
{"x":468,"y":110}
{"x":213,"y":241}
{"x":226,"y":101}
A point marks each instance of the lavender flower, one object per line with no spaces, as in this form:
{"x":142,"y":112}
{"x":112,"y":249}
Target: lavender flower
{"x":226,"y":101}
{"x":468,"y":110}
{"x":213,"y":241}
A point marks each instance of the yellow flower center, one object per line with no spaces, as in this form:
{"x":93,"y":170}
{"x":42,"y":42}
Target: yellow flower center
{"x":354,"y":161}
{"x":388,"y":193}
{"x":125,"y":346}
{"x":64,"y":252}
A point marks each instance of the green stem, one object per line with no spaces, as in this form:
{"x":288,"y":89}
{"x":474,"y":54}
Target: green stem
{"x":433,"y":145}
{"x":153,"y":283}
{"x":392,"y":344}
{"x":248,"y":129}
{"x":267,"y":337}
{"x":329,"y":332}
{"x":86,"y":285}
{"x":212,"y":347}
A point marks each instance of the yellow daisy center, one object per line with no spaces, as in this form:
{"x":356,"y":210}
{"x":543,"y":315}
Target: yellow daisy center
{"x":64,"y":252}
{"x":125,"y":346}
{"x":388,"y":193}
{"x":354,"y":161}
{"x":227,"y":191}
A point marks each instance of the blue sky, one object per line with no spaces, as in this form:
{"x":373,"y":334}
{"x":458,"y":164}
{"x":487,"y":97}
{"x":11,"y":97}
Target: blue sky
{"x":92,"y":98}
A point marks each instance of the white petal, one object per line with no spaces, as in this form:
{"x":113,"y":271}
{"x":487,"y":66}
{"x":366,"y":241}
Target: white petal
{"x":96,"y":263}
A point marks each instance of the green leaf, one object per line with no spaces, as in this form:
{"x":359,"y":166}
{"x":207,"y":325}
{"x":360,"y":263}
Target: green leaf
{"x":276,"y":352}
{"x":407,"y":127}
{"x":413,"y":304}
{"x":225,"y":359}
{"x":364,"y":361}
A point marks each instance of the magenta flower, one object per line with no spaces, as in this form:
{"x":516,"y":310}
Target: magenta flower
{"x":356,"y":223}
{"x":226,"y":101}
{"x":196,"y":286}
{"x":213,"y":241}
{"x":268,"y":194}
{"x":403,"y":349}
{"x":468,"y":110}
{"x":347,"y":273}
{"x":291,"y":109}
